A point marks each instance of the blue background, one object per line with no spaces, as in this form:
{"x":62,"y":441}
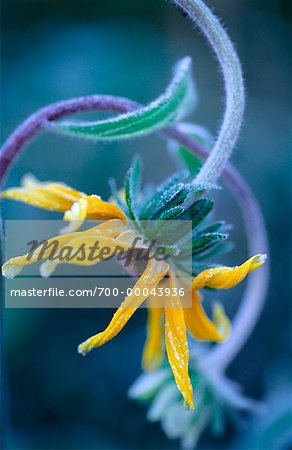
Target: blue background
{"x":57,"y":49}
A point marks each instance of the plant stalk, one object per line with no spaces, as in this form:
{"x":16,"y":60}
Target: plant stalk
{"x":256,"y":289}
{"x":217,"y":37}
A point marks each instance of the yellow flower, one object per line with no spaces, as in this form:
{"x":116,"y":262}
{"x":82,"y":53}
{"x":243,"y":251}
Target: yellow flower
{"x":53,"y":196}
{"x":193,"y":319}
{"x":178,"y":319}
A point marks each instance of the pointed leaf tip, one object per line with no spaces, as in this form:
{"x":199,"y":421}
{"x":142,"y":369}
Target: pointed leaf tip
{"x":177,"y":100}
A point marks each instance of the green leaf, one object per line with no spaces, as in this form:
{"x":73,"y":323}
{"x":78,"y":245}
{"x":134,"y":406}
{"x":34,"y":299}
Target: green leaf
{"x":171,"y":213}
{"x":198,"y":211}
{"x":132,"y":188}
{"x":180,"y":194}
{"x":177,"y":177}
{"x":208,"y":240}
{"x":168,"y":108}
{"x":183,"y":155}
{"x":216,"y":226}
{"x":160,"y":201}
{"x":190,"y":160}
{"x":194,"y":191}
{"x":157,"y":225}
{"x":115,"y":195}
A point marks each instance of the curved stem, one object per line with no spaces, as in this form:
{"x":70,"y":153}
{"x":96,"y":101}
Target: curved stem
{"x":257,"y":240}
{"x":203,"y":17}
{"x":254,"y":296}
{"x":39,"y":121}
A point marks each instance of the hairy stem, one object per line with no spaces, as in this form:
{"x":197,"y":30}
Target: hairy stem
{"x":40,"y":120}
{"x":257,"y":240}
{"x":254,"y":296}
{"x":203,"y":17}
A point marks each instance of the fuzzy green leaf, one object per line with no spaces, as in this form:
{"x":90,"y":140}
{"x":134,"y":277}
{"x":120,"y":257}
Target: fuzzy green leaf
{"x":163,"y":222}
{"x":168,"y":215}
{"x":191,"y":161}
{"x":115,"y":195}
{"x":177,"y":177}
{"x":198,"y":211}
{"x":183,"y":155}
{"x":220,"y":225}
{"x":164,"y":193}
{"x":207,"y":241}
{"x":132,"y":188}
{"x":183,"y":195}
{"x":160,"y":201}
{"x":168,"y":108}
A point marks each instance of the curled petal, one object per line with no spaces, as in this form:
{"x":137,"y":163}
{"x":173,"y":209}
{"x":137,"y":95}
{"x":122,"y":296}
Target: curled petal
{"x":100,"y":210}
{"x":13,"y":266}
{"x":72,"y":248}
{"x":112,"y":228}
{"x":153,"y":273}
{"x":106,"y":234}
{"x":46,"y":195}
{"x":60,"y":197}
{"x":227,"y":277}
{"x":153,"y":349}
{"x":198,"y":323}
{"x":177,"y":347}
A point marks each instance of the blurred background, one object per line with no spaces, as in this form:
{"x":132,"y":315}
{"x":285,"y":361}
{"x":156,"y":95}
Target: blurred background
{"x":57,"y":49}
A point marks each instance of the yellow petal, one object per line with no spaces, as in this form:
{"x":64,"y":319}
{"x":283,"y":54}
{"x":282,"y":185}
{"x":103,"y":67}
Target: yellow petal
{"x":177,"y":347}
{"x":100,"y":210}
{"x":76,"y":216}
{"x":153,"y":349}
{"x":47,"y":195}
{"x":153,"y":273}
{"x":113,"y":227}
{"x":107,"y":234}
{"x":14,"y":265}
{"x":60,"y":197}
{"x":56,"y":248}
{"x":221,"y":321}
{"x":92,"y":249}
{"x":198,"y":323}
{"x":227,"y":277}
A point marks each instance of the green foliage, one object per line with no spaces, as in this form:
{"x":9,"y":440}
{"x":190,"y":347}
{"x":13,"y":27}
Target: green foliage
{"x":168,"y":108}
{"x":191,"y":161}
{"x":115,"y":195}
{"x":183,"y":156}
{"x":163,"y":199}
{"x":206,"y":241}
{"x":173,"y":216}
{"x":132,"y":188}
{"x":217,"y":398}
{"x":197,"y":211}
